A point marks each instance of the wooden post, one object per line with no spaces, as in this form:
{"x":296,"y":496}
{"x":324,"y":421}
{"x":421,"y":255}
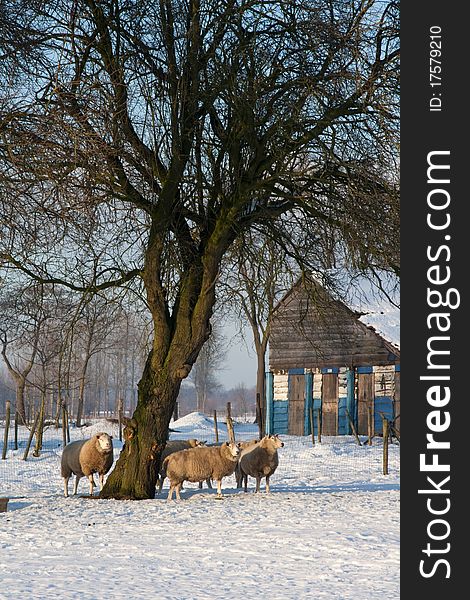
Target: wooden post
{"x":215,"y":427}
{"x":385,"y":445}
{"x":230,"y":431}
{"x":319,"y":424}
{"x":353,"y":428}
{"x":64,"y":424}
{"x":120,"y":418}
{"x":16,"y":429}
{"x":369,"y":426}
{"x":31,"y":434}
{"x":7,"y":427}
{"x":312,"y":427}
{"x":67,"y":420}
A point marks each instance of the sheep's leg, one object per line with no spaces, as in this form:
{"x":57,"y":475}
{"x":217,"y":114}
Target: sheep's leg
{"x":66,"y":486}
{"x":267,"y":484}
{"x":258,"y":484}
{"x":200,"y":485}
{"x":75,"y":485}
{"x":101,"y":477}
{"x":170,"y":493}
{"x":178,"y":488}
{"x":219,"y":488}
{"x":245,"y":478}
{"x":209,"y":484}
{"x":160,"y":484}
{"x":92,"y":483}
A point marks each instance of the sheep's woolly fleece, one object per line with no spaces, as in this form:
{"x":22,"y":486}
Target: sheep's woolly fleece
{"x":317,"y":535}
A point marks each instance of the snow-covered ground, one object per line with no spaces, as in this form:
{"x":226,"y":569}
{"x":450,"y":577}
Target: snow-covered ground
{"x":329,"y":529}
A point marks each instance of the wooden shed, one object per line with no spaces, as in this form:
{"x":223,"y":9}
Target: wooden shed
{"x":321,"y":355}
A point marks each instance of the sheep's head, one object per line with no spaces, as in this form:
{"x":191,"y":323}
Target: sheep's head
{"x":272,"y":440}
{"x":193,"y":443}
{"x":234,"y":449}
{"x":105,"y":441}
{"x":276,"y":441}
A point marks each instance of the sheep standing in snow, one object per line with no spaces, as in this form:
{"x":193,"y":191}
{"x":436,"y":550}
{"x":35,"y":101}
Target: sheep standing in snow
{"x":244,"y":447}
{"x":260,"y":460}
{"x":171,"y":447}
{"x":199,"y":464}
{"x":85,"y":457}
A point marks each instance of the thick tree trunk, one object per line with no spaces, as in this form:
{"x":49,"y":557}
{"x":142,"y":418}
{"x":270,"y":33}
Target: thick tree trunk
{"x":134,"y":476}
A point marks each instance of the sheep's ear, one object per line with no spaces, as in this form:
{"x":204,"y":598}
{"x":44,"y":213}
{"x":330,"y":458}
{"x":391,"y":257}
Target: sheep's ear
{"x":239,"y":444}
{"x":226,"y":443}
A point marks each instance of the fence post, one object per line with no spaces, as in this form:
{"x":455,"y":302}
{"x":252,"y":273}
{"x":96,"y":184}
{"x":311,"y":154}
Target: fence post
{"x":369,"y":426}
{"x":231,"y":433}
{"x":319,"y":424}
{"x":312,"y":425}
{"x":7,"y":427}
{"x":215,"y":427}
{"x":16,"y":430}
{"x":353,"y":428}
{"x":385,"y":445}
{"x":64,"y":424}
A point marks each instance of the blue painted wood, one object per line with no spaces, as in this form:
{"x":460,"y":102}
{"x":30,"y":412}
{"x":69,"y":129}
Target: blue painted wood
{"x":343,"y":422}
{"x":397,"y":368}
{"x":382,"y":404}
{"x":280,"y":416}
{"x":296,"y":371}
{"x":364,"y":369}
{"x":269,"y":402}
{"x":351,"y":399}
{"x":308,"y":402}
{"x":330,"y":370}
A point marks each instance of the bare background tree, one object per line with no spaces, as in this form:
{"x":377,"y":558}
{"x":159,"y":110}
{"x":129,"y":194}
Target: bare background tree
{"x":141,"y":140}
{"x":206,"y":372}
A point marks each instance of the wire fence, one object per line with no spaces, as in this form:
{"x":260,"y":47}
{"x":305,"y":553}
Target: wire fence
{"x":303,"y":462}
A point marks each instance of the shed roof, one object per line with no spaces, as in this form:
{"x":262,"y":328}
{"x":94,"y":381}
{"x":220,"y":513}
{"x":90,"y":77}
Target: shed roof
{"x":311,"y":329}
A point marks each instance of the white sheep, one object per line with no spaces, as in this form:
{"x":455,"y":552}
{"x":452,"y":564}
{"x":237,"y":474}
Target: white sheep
{"x":260,"y":460}
{"x":171,"y":447}
{"x":85,"y":457}
{"x":199,"y":464}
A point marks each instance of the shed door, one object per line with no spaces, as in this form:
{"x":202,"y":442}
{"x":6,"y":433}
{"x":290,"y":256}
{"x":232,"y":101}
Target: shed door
{"x":365,"y":400}
{"x":329,"y":397}
{"x":296,"y":404}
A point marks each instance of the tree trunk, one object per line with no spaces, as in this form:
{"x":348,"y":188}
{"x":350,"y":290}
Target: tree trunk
{"x":134,"y":476}
{"x":20,"y":405}
{"x":260,"y":392}
{"x":260,"y":346}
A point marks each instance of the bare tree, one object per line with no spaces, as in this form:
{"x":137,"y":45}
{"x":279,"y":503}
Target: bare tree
{"x":206,"y":370}
{"x":23,"y":320}
{"x":152,"y":135}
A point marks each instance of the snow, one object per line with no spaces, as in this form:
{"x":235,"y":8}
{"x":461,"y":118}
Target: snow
{"x":329,"y":529}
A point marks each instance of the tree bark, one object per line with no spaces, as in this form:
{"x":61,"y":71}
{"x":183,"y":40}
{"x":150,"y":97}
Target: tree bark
{"x":135,"y":474}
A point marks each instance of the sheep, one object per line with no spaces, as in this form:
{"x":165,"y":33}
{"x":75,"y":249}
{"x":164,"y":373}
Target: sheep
{"x":260,"y":460}
{"x":198,"y":464}
{"x":175,"y":446}
{"x":244,"y":446}
{"x":85,"y":457}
